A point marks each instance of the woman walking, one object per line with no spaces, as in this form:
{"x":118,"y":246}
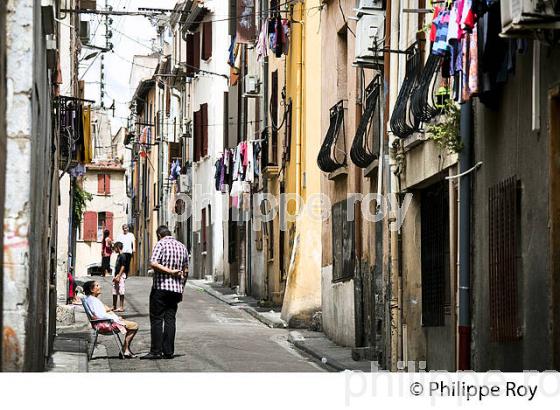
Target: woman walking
{"x":106,"y":251}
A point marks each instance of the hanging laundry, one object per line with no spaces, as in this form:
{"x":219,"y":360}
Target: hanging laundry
{"x":440,"y":46}
{"x":261,"y":48}
{"x":285,"y":36}
{"x":250,"y":174}
{"x":433,"y":29}
{"x":219,"y":165}
{"x":257,"y":157}
{"x":468,"y":17}
{"x":244,"y":157}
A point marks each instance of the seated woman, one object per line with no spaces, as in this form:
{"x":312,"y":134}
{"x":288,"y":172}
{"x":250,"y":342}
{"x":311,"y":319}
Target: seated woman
{"x":92,"y":290}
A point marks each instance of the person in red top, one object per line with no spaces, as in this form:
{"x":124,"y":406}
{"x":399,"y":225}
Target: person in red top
{"x":106,"y":251}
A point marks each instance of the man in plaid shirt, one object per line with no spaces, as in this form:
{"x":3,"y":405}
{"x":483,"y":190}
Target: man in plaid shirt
{"x":170,"y":262}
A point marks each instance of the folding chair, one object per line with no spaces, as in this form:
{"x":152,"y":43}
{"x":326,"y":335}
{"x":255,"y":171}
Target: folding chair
{"x":99,"y":329}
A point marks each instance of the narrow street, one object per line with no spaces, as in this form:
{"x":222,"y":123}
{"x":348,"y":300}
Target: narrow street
{"x":211,"y":336}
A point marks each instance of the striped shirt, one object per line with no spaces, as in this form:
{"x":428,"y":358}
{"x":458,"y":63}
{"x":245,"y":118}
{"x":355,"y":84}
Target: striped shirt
{"x":172,"y":254}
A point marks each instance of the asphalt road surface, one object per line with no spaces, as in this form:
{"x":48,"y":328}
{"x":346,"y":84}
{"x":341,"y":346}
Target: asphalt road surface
{"x":212,"y":336}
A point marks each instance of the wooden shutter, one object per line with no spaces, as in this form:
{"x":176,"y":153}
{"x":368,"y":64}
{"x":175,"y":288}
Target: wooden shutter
{"x":207,"y":40}
{"x":109,"y":222}
{"x":90,"y":226}
{"x":196,"y":51}
{"x":190,"y":55}
{"x":107,"y":184}
{"x":197,"y":135}
{"x":204,"y":129}
{"x":100,"y":183}
{"x":174,"y":151}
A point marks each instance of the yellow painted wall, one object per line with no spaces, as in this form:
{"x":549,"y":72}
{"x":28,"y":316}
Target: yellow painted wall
{"x":303,"y":289}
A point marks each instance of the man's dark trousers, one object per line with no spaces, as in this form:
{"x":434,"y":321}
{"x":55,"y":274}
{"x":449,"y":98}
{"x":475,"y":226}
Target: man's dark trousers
{"x":163,"y":308}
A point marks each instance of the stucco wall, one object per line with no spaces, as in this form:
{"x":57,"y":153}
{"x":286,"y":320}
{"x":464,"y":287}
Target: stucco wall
{"x":337,"y":300}
{"x":507,"y":146}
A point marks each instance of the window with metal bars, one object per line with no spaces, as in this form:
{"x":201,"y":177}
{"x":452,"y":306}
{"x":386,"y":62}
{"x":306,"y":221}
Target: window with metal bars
{"x":434,"y":211}
{"x":503,"y":211}
{"x":327,"y":159}
{"x":365,"y":148}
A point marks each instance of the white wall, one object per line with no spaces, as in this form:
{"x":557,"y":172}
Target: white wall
{"x":210,"y":90}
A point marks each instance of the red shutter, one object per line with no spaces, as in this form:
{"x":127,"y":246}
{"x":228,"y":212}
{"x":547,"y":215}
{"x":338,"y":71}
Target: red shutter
{"x":196,"y":51}
{"x":90,"y":226}
{"x":190,"y":54}
{"x":100,"y":183}
{"x":107,"y":184}
{"x":204,"y":128}
{"x":109,"y":222}
{"x":207,"y":40}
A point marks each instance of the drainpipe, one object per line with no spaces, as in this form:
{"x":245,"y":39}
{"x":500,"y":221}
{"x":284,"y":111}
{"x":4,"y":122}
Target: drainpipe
{"x":393,"y":251}
{"x":299,"y":98}
{"x":264,"y":110}
{"x":465,"y":163}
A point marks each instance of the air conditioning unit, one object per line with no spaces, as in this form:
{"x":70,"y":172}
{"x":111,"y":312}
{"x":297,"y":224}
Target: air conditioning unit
{"x":370,"y":33}
{"x":520,"y":18}
{"x":251,"y":86}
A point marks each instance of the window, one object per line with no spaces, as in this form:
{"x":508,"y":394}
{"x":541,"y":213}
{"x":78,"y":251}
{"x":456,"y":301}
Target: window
{"x":206,"y":40}
{"x":204,"y":130}
{"x":193,"y":53}
{"x":503,"y":211}
{"x":434,"y":244}
{"x":94,"y":224}
{"x":197,"y":130}
{"x":343,"y":242}
{"x":175,"y":152}
{"x":103,"y":184}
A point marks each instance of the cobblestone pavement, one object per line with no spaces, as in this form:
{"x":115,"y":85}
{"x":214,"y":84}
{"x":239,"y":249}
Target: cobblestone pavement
{"x":211,"y":336}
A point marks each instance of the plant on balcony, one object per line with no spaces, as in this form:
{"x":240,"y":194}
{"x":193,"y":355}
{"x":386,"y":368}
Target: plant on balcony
{"x":445,"y":132}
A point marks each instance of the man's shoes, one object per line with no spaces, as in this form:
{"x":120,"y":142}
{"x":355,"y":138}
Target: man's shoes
{"x":151,"y":356}
{"x":168,"y":356}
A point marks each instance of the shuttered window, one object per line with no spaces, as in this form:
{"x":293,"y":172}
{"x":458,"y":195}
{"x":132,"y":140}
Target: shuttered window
{"x":89,"y":233}
{"x":343,"y":243}
{"x":175,"y":152}
{"x":207,"y":40}
{"x":503,"y":210}
{"x":204,"y":129}
{"x":197,"y":130}
{"x":193,"y":53}
{"x":104,"y":221}
{"x":103,"y":184}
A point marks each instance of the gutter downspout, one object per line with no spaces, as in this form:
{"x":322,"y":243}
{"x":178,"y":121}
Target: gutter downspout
{"x":299,"y":102}
{"x":264,"y":108}
{"x":465,"y":163}
{"x":393,"y":254}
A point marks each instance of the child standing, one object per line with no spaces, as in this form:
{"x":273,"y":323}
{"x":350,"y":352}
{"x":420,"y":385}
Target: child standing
{"x":119,"y":277}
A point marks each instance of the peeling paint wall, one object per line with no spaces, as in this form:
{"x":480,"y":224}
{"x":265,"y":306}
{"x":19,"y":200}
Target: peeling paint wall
{"x":30,"y":195}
